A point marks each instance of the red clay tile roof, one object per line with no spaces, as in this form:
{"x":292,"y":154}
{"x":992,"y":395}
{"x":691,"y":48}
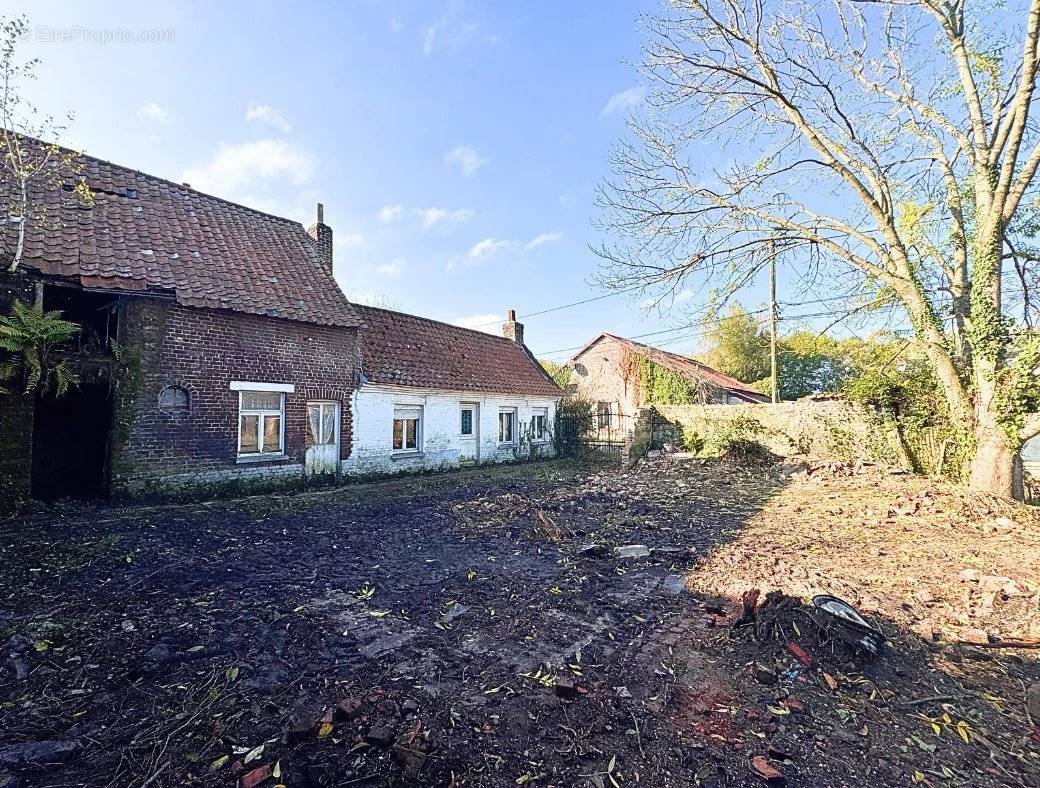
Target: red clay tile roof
{"x":405,"y":350}
{"x":146,"y":234}
{"x":690,"y":369}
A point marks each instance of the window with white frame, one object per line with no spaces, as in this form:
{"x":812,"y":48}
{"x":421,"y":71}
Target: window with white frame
{"x":261,"y":423}
{"x":407,"y":428}
{"x":540,"y":425}
{"x":507,"y":425}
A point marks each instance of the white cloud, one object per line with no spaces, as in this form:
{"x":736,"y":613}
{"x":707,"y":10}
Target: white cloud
{"x":430,"y":217}
{"x":236,"y":168}
{"x":465,"y":158}
{"x":390,"y":213}
{"x":488,"y":322}
{"x":542,"y":238}
{"x":626,"y":99}
{"x":262,"y":113}
{"x":154,"y":113}
{"x":566,"y":200}
{"x":486,"y":248}
{"x":348,"y":240}
{"x":393,"y":268}
{"x":449,"y":31}
{"x":684,"y":295}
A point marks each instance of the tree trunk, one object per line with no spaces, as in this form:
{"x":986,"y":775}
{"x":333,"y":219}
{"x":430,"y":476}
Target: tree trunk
{"x":995,"y":466}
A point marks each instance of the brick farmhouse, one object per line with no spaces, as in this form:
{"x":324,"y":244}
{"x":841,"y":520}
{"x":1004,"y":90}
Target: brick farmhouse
{"x":215,"y":347}
{"x":607,"y":372}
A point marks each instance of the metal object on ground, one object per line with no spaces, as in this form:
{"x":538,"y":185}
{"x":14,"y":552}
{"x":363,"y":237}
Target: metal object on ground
{"x":867,"y":636}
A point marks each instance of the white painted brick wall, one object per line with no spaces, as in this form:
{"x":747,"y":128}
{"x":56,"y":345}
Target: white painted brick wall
{"x":373,"y":413}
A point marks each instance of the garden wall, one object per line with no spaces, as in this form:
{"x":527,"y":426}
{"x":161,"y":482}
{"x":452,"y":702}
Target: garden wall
{"x":823,"y":429}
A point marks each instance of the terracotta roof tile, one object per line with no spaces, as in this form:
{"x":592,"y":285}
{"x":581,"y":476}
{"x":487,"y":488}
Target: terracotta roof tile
{"x":405,"y":350}
{"x":146,"y":233}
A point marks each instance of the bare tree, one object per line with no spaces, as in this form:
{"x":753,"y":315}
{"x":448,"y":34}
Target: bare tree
{"x":888,"y":138}
{"x":24,"y":159}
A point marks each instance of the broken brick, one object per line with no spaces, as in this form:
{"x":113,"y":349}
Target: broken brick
{"x":800,"y":654}
{"x":763,"y":768}
{"x":255,"y":776}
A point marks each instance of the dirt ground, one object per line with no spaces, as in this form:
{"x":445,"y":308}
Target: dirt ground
{"x":479,"y":629}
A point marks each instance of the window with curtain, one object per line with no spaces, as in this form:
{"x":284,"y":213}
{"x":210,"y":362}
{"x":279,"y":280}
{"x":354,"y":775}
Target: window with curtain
{"x":540,"y":424}
{"x":261,"y":418}
{"x":507,"y":426}
{"x":407,"y":435}
{"x":321,"y":423}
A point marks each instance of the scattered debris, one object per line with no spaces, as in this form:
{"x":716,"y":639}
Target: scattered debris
{"x":630,"y":552}
{"x":849,"y":620}
{"x":450,"y":629}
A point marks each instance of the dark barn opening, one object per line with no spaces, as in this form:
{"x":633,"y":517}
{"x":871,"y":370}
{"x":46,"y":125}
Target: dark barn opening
{"x":70,"y":443}
{"x":71,"y":434}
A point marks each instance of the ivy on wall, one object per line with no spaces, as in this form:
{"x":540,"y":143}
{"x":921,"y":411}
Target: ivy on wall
{"x":661,"y":386}
{"x":127,"y":384}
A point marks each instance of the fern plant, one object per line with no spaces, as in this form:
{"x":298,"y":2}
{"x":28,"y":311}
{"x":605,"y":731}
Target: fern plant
{"x":28,"y":337}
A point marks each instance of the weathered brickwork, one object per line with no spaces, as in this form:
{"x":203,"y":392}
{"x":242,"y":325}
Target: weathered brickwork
{"x":16,"y":413}
{"x":202,"y":351}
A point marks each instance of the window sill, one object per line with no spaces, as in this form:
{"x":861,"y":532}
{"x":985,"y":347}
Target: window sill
{"x":250,"y":458}
{"x":507,"y":445}
{"x":405,"y":454}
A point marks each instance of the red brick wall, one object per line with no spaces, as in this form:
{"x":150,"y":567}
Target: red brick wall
{"x":202,"y":351}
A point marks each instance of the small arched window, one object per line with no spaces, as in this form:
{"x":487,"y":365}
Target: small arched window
{"x":174,"y":401}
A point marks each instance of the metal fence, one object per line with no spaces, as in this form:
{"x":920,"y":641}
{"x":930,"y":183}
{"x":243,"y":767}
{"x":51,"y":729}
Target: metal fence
{"x":608,"y":433}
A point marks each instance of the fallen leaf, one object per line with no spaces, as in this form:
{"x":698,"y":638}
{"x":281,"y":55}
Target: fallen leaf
{"x":964,"y":731}
{"x":324,"y":730}
{"x":764,"y":768}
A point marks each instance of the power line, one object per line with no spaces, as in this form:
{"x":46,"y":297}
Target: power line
{"x":567,"y":306}
{"x":656,"y":333}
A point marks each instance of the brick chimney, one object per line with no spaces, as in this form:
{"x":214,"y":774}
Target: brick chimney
{"x":322,"y":235}
{"x":511,"y":329}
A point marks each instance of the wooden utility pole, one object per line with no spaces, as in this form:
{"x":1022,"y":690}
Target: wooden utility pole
{"x":774,"y":384}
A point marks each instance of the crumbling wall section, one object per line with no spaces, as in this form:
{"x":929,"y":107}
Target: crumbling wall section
{"x":831,"y":429}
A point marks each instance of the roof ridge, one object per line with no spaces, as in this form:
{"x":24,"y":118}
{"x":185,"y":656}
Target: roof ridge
{"x":430,"y":320}
{"x":177,"y":185}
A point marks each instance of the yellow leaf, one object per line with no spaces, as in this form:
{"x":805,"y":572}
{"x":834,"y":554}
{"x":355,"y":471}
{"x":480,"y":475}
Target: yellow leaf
{"x":324,"y":730}
{"x":277,"y":770}
{"x":219,"y":763}
{"x":936,"y":728}
{"x":918,"y":777}
{"x":613,"y":761}
{"x":964,"y":731}
{"x":378,"y":613}
{"x":779,"y":710}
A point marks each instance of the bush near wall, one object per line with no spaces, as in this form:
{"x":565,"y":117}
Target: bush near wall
{"x":824,"y":429}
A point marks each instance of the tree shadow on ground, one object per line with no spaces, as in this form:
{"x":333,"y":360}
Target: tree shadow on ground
{"x":472,"y":629}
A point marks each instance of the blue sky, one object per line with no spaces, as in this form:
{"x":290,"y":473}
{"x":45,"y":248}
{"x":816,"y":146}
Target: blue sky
{"x":456,"y":146}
